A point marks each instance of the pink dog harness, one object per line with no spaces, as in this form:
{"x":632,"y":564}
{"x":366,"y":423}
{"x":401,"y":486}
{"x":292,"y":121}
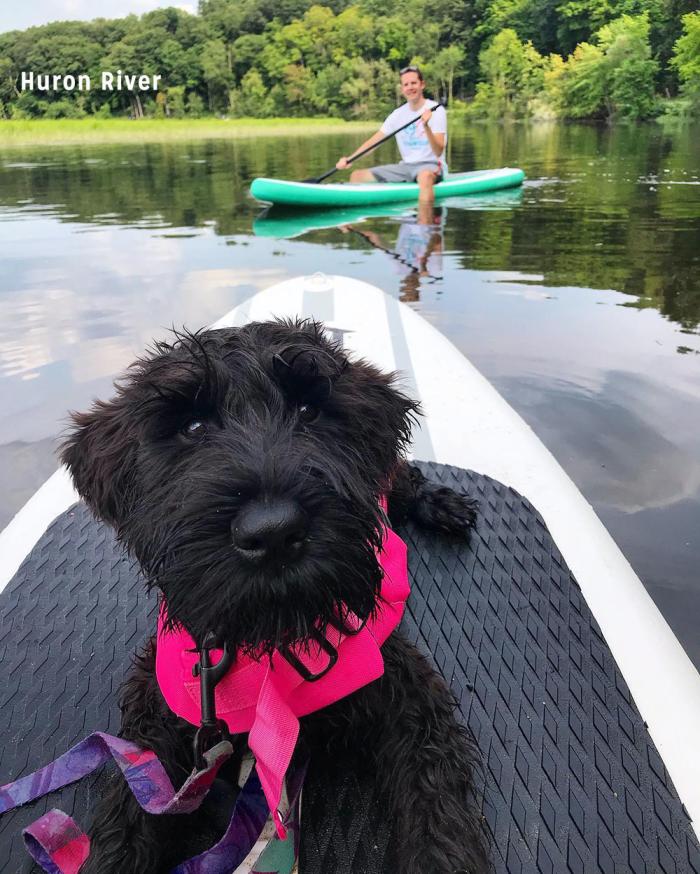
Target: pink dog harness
{"x":266,"y":698}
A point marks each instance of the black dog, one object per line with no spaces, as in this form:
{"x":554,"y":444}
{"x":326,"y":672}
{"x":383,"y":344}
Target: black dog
{"x":243,"y":469}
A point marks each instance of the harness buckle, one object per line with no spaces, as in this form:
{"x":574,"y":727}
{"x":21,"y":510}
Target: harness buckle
{"x":342,"y":628}
{"x":209,"y":676}
{"x":301,"y":668}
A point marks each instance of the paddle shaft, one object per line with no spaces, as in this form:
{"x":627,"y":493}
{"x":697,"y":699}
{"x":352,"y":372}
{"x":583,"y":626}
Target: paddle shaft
{"x":374,"y":145}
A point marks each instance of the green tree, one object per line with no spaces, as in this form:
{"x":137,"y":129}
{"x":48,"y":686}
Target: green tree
{"x":64,"y":109}
{"x":666,"y":30}
{"x":396,"y":39}
{"x":175,"y":97}
{"x":300,"y":93}
{"x":216,"y":74}
{"x":578,"y":20}
{"x":447,"y":65}
{"x":195,"y":105}
{"x":8,"y":81}
{"x":180,"y":65}
{"x":629,"y":66}
{"x":686,"y":58}
{"x":367,"y":90}
{"x":251,"y":98}
{"x":123,"y":56}
{"x":514,"y":74}
{"x":28,"y":105}
{"x":577,"y":86}
{"x":615,"y":77}
{"x":354,"y":33}
{"x":245,"y":52}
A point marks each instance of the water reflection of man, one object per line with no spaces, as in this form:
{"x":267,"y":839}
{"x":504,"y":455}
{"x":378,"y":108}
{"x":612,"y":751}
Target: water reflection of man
{"x":417,"y":253}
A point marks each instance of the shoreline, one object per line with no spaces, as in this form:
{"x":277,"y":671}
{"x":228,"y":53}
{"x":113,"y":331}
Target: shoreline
{"x":96,"y":131}
{"x":38,"y":132}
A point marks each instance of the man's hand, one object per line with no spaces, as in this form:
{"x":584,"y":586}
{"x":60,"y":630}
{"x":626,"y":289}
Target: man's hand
{"x":436,"y":141}
{"x":342,"y":164}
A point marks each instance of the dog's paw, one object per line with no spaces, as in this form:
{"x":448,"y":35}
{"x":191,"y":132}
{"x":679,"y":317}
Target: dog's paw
{"x":433,"y":506}
{"x":445,"y":510}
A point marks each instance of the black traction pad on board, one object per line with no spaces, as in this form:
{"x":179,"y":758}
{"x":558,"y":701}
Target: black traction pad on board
{"x":572,"y":779}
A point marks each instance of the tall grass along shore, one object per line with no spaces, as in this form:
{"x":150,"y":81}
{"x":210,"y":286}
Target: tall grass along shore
{"x":98,"y":130}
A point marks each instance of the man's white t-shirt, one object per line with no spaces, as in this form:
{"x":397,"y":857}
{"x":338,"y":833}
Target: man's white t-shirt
{"x":413,"y":141}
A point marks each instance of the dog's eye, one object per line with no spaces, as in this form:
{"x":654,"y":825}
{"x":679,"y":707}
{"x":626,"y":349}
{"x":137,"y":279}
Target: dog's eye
{"x":308,"y":413}
{"x":195,"y":428}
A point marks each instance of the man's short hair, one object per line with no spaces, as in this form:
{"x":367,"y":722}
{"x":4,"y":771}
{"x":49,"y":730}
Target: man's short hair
{"x":411,"y":68}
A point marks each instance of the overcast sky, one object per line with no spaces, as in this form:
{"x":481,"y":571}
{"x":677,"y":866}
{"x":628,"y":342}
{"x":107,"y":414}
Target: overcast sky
{"x":17,"y":16}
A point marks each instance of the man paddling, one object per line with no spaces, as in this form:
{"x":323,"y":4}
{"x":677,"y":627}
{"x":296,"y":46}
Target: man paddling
{"x":422,"y":144}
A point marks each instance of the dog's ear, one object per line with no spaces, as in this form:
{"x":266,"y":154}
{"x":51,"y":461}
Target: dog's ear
{"x":382,"y":415}
{"x":400,"y":412}
{"x":99,"y":451}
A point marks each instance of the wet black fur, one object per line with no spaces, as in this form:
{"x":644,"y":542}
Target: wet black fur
{"x":198,"y":429}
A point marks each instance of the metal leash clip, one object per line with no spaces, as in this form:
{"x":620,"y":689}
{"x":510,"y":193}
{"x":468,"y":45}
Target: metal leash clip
{"x":210,"y":675}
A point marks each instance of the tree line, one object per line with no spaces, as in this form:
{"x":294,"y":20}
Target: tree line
{"x":598,"y":59}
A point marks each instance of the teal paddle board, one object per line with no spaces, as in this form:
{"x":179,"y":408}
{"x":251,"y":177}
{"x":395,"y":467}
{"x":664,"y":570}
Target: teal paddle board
{"x":305,"y":194}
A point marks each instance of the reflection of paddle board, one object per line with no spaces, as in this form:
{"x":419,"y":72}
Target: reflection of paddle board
{"x":584,"y":705}
{"x":281,"y":221}
{"x":306,"y":194}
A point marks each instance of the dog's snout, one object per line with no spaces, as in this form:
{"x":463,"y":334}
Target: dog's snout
{"x":268,"y":528}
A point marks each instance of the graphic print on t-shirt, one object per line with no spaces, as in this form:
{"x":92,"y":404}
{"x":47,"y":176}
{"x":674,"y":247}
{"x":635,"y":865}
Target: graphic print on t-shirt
{"x":414,"y":136}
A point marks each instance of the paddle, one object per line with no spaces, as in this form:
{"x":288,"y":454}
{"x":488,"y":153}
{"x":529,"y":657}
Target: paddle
{"x":317,"y":179}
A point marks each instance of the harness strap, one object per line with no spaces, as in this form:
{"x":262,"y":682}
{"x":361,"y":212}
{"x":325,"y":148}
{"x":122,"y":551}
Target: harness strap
{"x":280,"y":855}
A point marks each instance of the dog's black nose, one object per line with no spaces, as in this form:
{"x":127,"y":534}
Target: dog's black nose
{"x":270,"y":527}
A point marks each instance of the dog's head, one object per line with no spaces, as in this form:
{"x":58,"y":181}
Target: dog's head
{"x":243,"y":467}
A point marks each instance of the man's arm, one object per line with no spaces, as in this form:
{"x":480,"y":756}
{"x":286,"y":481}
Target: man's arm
{"x":436,"y":140}
{"x":345,"y":161}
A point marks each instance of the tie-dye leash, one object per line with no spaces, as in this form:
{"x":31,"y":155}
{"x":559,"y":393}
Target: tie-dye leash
{"x":58,"y":845}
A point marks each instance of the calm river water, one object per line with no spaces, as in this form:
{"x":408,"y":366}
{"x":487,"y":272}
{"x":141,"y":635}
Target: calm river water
{"x":578,"y":296}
